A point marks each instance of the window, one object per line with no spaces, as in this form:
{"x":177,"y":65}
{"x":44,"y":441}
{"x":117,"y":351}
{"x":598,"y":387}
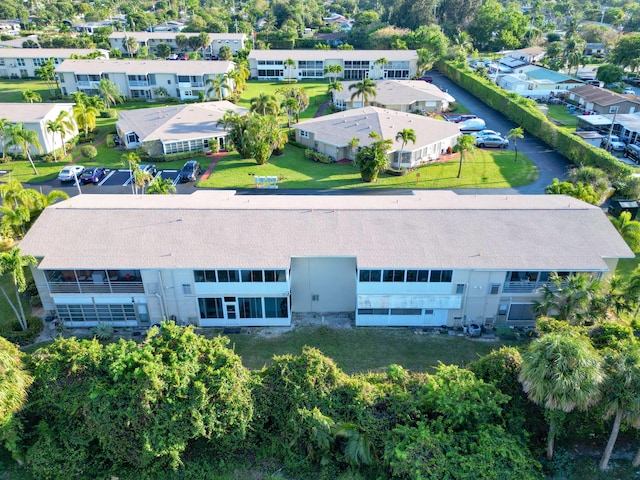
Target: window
{"x":417,"y":275}
{"x":370,"y":275}
{"x":186,"y":289}
{"x":276,"y":308}
{"x":250,"y":307}
{"x":393,"y":276}
{"x":521,"y":312}
{"x":251,"y":276}
{"x":210,"y":308}
{"x":494,"y":289}
{"x":228,"y":276}
{"x":204,"y":276}
{"x":304,"y":134}
{"x":373,"y":311}
{"x":20,"y":62}
{"x":406,"y":311}
{"x":97,"y":313}
{"x":460,"y":288}
{"x":275,"y":276}
{"x":441,"y":276}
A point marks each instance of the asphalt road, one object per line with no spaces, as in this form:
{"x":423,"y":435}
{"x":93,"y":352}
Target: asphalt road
{"x":550,"y":163}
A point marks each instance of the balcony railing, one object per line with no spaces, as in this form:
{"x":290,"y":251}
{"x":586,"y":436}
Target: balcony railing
{"x":91,"y":287}
{"x":524,"y":286}
{"x":138,"y":83}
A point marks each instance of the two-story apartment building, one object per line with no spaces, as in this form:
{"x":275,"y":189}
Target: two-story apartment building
{"x":22,"y":62}
{"x":235,"y":41}
{"x":356,"y":64}
{"x":214,"y":258}
{"x":141,"y":78}
{"x":34,"y":116}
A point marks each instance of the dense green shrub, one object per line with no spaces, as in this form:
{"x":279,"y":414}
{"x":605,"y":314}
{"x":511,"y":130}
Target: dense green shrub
{"x":316,"y":156}
{"x":15,"y":334}
{"x":171,"y":157}
{"x":110,"y":113}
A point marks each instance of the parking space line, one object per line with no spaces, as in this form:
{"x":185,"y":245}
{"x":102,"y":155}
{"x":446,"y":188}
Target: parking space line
{"x":106,"y":178}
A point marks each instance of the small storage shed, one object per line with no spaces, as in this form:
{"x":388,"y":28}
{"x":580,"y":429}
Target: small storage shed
{"x":618,"y":206}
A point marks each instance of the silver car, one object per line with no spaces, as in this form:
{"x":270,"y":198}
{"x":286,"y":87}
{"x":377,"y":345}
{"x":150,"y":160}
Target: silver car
{"x":492,"y":141}
{"x":70,"y":172}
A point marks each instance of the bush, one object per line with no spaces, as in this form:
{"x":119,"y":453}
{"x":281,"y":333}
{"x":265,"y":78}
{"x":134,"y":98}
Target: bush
{"x":317,"y":156}
{"x":103,"y":331}
{"x":109,"y":114}
{"x":172,"y":157}
{"x":89,"y":151}
{"x":14,"y":333}
{"x":35,"y":301}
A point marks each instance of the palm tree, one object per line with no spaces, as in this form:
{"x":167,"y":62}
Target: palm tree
{"x":111,"y":93}
{"x":353,"y":146}
{"x":465,"y":144}
{"x":96,"y":102}
{"x":14,"y":219}
{"x":381,"y":62}
{"x":216,"y":86}
{"x":131,"y":160}
{"x":628,"y":229}
{"x":514,"y":134}
{"x":66,"y":122}
{"x":560,"y":372}
{"x":205,"y":41}
{"x":54,"y":127}
{"x":334,"y":86}
{"x":132,"y":46}
{"x":24,"y":140}
{"x":31,"y":96}
{"x":570,"y":299}
{"x":15,"y":381}
{"x":365,"y":89}
{"x":289,"y":64}
{"x":265,"y":104}
{"x":333,"y":71}
{"x":405,"y":135}
{"x":141,"y":179}
{"x":161,"y":186}
{"x":622,"y":387}
{"x":13,"y":263}
{"x":79,"y":97}
{"x":85,"y":117}
{"x":291,"y":107}
{"x":5,"y":126}
{"x":239,"y":75}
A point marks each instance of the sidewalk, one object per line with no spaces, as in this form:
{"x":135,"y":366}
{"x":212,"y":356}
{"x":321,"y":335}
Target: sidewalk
{"x":216,"y":157}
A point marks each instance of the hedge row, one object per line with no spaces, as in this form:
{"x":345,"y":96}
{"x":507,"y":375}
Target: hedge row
{"x":525,"y":113}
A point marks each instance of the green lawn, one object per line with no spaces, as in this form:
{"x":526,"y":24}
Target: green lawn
{"x":483,"y":169}
{"x":562,"y":117}
{"x":317,"y":91}
{"x":363,"y":349}
{"x":11,"y":89}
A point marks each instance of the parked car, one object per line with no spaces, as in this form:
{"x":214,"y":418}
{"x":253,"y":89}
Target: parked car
{"x":150,"y":169}
{"x":189,"y":172}
{"x":628,"y":91}
{"x":633,"y":152}
{"x":484,"y":133}
{"x":460,"y":118}
{"x":173,"y":56}
{"x":492,"y":141}
{"x":183,"y":56}
{"x":427,"y":78}
{"x":70,"y":172}
{"x":613,"y":145}
{"x":473,"y":125}
{"x":93,"y":174}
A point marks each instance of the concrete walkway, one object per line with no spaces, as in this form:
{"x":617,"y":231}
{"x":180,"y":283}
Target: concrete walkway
{"x":215,"y":158}
{"x":321,"y":109}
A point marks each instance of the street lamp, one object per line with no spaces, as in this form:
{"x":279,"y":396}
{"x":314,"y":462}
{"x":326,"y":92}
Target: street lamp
{"x":613,"y":121}
{"x":75,"y":175}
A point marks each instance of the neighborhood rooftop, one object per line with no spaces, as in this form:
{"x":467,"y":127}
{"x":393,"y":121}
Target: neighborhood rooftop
{"x":219,"y":229}
{"x":146,"y":36}
{"x":144,"y":67}
{"x":353,"y":55}
{"x":400,"y":92}
{"x":28,"y":112}
{"x":602,"y":96}
{"x":46,"y":52}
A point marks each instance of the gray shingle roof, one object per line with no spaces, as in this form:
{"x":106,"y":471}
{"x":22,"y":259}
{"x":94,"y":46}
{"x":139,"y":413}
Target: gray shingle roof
{"x":177,"y":122}
{"x":28,"y":112}
{"x":144,"y":67}
{"x":403,"y":92}
{"x":429,"y":229}
{"x":602,"y":96}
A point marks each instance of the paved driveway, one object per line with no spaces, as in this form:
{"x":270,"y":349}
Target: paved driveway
{"x":549,"y":162}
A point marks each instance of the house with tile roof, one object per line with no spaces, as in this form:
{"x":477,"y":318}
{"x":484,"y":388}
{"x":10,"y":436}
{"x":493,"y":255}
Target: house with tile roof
{"x":603,"y":101}
{"x":422,"y":259}
{"x":176,"y":128}
{"x":23,"y":62}
{"x":356,"y":64}
{"x":416,"y":96}
{"x":141,"y":79}
{"x":35,"y":116}
{"x":331,"y":134}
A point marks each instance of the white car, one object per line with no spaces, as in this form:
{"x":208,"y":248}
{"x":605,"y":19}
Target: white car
{"x":484,"y":133}
{"x":628,"y":91}
{"x":473,"y":125}
{"x":614,"y":144}
{"x":70,"y":173}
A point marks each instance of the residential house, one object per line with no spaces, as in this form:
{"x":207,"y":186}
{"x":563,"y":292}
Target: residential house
{"x":35,"y":116}
{"x":595,"y":50}
{"x":145,"y":79}
{"x":529,"y":54}
{"x":176,"y":128}
{"x":626,"y":125}
{"x":416,"y":96}
{"x":331,"y":134}
{"x":425,"y":259}
{"x":601,"y":100}
{"x":356,"y":64}
{"x":22,"y":62}
{"x":10,"y":27}
{"x":235,"y":41}
{"x":537,"y":82}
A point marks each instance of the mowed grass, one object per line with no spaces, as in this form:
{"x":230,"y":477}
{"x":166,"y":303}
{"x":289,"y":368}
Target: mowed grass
{"x":11,"y":89}
{"x":562,"y":117}
{"x":316,"y":90}
{"x":481,"y":169}
{"x":363,"y":349}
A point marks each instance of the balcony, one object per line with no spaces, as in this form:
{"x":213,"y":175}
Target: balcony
{"x":521,"y":287}
{"x":138,"y":83}
{"x":91,"y":287}
{"x":87,"y":84}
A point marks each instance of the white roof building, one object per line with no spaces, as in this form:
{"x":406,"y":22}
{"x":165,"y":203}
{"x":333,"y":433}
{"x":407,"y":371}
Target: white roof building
{"x":235,"y":41}
{"x":429,"y":258}
{"x":22,"y":62}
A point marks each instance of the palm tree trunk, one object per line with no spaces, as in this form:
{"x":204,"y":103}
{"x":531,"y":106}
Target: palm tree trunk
{"x":636,"y":460}
{"x":551,"y":437}
{"x":612,"y":441}
{"x":35,"y":170}
{"x":55,"y":156}
{"x":13,"y":307}
{"x":515,"y":146}
{"x":23,"y":318}
{"x":460,"y":166}
{"x":64,"y":144}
